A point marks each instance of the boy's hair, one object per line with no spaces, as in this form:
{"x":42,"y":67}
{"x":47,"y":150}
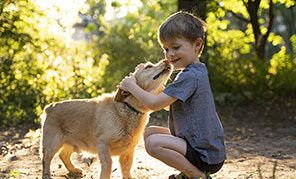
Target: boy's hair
{"x":182,"y":25}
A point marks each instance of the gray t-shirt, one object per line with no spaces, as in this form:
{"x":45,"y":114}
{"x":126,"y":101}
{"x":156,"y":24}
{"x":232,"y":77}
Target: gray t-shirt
{"x":193,"y":116}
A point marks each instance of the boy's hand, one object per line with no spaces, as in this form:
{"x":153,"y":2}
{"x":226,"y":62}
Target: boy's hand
{"x":127,"y":82}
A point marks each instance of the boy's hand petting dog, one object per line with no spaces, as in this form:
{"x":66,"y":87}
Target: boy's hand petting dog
{"x":127,"y":82}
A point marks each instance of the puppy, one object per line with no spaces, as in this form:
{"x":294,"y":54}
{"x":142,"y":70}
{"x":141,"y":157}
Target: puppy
{"x":109,"y":125}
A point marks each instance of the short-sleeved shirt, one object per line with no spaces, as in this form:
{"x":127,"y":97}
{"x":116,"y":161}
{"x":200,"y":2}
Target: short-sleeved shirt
{"x":193,"y":115}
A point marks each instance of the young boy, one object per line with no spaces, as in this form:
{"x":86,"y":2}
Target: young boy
{"x":194,"y":141}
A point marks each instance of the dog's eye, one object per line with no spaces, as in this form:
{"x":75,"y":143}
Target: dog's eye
{"x":149,"y":66}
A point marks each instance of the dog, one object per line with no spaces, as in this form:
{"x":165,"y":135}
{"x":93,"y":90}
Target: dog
{"x":109,"y":125}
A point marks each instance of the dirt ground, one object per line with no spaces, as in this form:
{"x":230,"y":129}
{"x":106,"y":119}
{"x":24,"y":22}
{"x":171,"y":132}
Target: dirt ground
{"x":260,"y":142}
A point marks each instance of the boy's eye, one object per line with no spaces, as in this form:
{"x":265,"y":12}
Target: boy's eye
{"x":149,"y":66}
{"x":176,"y":47}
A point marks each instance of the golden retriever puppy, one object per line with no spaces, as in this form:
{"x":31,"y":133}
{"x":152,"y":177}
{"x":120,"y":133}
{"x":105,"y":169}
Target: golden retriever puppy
{"x":109,"y":125}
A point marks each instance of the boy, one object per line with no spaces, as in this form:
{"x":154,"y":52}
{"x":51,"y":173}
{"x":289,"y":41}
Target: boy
{"x":194,"y":141}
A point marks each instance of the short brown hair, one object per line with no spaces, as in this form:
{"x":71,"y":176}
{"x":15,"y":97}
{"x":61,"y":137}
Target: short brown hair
{"x":182,"y":25}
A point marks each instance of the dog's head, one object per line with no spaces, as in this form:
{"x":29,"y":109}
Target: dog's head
{"x":150,"y":77}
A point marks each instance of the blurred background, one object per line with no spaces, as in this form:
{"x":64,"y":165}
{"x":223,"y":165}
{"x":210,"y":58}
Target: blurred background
{"x":53,"y":50}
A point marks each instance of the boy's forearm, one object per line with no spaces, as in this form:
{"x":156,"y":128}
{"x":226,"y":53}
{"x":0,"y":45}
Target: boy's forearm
{"x":144,"y":97}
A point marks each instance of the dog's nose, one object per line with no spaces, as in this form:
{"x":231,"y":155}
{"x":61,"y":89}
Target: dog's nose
{"x":167,"y":63}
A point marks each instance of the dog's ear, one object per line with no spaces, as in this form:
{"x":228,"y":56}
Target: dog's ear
{"x":121,"y":95}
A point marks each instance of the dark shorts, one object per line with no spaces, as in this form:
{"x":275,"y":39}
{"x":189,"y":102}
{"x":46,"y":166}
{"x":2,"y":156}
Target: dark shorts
{"x":194,"y":158}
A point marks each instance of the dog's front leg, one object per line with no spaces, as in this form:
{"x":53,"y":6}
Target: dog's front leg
{"x":105,"y":159}
{"x":126,"y":161}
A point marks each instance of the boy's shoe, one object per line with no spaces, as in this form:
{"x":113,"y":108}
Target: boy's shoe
{"x":184,"y":176}
{"x":179,"y":176}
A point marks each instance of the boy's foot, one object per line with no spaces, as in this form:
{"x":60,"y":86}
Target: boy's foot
{"x":179,"y":176}
{"x":184,"y":176}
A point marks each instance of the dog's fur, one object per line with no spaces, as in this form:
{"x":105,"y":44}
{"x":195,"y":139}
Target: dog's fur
{"x":102,"y":125}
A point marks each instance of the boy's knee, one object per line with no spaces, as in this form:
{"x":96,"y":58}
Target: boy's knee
{"x":147,"y":143}
{"x":148,"y":132}
{"x":152,"y":145}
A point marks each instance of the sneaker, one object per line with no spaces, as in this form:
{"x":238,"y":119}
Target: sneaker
{"x":179,"y":176}
{"x":184,"y":176}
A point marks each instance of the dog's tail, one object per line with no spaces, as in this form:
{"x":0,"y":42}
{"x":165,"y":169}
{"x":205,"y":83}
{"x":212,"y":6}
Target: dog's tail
{"x":43,"y":117}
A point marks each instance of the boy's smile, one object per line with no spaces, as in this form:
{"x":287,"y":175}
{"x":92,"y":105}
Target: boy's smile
{"x":181,"y":52}
{"x":173,"y":61}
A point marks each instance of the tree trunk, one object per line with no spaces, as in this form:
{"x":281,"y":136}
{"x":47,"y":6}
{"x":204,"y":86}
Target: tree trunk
{"x":260,"y":39}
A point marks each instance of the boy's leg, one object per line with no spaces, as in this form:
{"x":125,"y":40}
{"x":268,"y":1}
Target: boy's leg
{"x":155,"y":130}
{"x":171,"y":150}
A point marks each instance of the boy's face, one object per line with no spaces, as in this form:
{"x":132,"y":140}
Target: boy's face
{"x":181,"y":52}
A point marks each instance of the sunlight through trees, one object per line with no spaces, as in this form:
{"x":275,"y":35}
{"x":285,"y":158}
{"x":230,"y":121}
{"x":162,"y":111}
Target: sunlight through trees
{"x":250,"y":49}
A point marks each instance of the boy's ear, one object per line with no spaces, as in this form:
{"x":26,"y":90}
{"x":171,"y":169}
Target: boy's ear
{"x":198,"y":44}
{"x":121,"y":95}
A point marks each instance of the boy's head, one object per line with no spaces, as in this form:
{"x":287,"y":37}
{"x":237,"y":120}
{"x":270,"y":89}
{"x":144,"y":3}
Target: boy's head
{"x":182,"y":25}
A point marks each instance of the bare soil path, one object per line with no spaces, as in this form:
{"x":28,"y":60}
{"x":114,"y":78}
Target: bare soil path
{"x":258,"y":146}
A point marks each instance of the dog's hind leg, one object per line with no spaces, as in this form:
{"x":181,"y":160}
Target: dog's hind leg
{"x":105,"y":159}
{"x":126,"y":161}
{"x":65,"y":156}
{"x":51,"y":142}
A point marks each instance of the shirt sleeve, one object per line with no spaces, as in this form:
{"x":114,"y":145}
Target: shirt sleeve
{"x":183,"y":87}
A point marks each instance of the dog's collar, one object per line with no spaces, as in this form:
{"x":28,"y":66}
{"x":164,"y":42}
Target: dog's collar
{"x":132,"y":108}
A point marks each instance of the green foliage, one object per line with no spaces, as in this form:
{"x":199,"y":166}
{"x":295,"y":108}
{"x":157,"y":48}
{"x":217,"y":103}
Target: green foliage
{"x":17,"y":43}
{"x":282,"y":71}
{"x":131,"y":40}
{"x":38,"y":65}
{"x":36,"y":68}
{"x":236,"y":74}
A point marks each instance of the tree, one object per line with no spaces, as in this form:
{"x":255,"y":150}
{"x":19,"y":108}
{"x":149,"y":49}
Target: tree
{"x":260,"y":38}
{"x":255,"y":13}
{"x":286,"y":16}
{"x":19,"y":38}
{"x":260,"y":13}
{"x":38,"y":67}
{"x":130,"y":40}
{"x":197,"y":7}
{"x":233,"y":53}
{"x":96,"y":8}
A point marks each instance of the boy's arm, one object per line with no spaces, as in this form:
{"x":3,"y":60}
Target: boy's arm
{"x":154,"y":102}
